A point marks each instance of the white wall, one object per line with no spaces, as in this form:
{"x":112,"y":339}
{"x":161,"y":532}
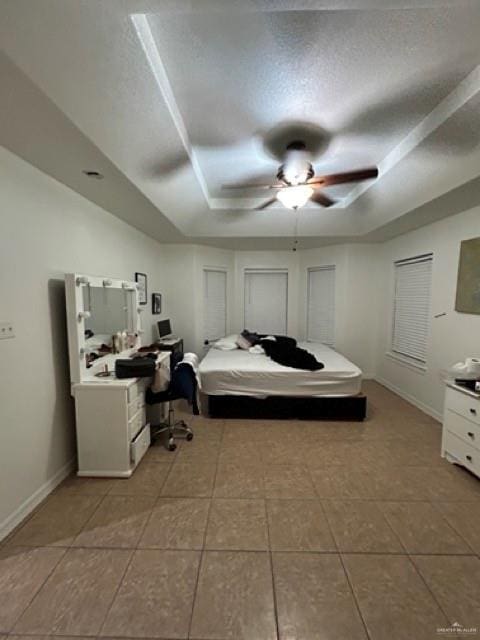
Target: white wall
{"x":179,"y":264}
{"x":47,"y":230}
{"x":454,"y":336}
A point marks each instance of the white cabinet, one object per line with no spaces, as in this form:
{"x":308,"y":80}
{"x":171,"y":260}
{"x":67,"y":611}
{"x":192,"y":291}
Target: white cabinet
{"x":461,"y":428}
{"x":112,"y":429}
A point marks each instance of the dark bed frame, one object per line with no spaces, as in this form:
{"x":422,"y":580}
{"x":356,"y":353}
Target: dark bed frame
{"x":352,"y":408}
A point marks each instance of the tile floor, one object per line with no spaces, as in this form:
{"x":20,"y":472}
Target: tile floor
{"x":258,"y":531}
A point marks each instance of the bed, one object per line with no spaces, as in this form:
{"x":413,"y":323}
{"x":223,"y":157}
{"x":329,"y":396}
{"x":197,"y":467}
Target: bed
{"x":242,"y":384}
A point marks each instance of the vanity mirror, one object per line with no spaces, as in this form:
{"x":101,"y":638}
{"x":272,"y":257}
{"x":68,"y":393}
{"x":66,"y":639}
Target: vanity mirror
{"x":111,"y":312}
{"x":103,"y":320}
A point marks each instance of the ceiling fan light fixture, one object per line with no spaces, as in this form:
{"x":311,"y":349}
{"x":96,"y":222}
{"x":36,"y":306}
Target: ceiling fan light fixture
{"x":295,"y":197}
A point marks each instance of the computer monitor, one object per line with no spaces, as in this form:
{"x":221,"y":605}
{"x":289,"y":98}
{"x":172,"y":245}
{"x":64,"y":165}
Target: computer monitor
{"x":164,"y":328}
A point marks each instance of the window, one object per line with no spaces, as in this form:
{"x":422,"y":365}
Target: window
{"x":266,"y":300}
{"x":411,"y":309}
{"x":321,"y":305}
{"x":215,"y":304}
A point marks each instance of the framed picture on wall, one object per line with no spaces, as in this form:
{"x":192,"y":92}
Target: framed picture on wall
{"x":141,"y":280}
{"x":468,"y":282}
{"x":156,"y":303}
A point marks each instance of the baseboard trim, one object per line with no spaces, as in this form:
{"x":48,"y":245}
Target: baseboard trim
{"x":406,"y":396}
{"x":28,"y":505}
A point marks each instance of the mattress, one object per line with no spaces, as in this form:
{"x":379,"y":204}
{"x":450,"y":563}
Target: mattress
{"x":239,"y":372}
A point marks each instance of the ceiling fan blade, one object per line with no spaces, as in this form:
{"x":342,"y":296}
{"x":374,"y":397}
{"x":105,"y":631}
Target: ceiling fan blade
{"x":251,"y":186}
{"x":342,"y":178}
{"x":265,"y":204}
{"x":320,"y":198}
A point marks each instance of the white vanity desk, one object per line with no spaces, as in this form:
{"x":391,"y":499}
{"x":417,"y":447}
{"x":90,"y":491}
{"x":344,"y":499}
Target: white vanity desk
{"x":111,"y":423}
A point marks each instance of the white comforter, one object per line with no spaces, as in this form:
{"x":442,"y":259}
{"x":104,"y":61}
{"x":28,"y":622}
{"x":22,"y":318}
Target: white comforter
{"x":242,"y":373}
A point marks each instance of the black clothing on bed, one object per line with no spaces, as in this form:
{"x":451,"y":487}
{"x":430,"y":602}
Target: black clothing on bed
{"x":289,"y":355}
{"x":255,"y":338}
{"x":284,"y":350}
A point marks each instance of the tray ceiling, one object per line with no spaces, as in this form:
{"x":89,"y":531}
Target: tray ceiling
{"x":183,"y":97}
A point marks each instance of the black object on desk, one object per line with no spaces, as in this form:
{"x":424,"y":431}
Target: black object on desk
{"x":175,"y":346}
{"x":471,"y":385}
{"x":143,"y":367}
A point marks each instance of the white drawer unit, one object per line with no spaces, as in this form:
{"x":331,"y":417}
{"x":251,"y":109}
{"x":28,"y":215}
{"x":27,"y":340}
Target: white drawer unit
{"x":465,"y":403}
{"x":135,"y":406}
{"x":136,"y":390}
{"x":462,"y":453}
{"x":140,"y":445}
{"x":113,"y":433}
{"x":461,"y":428}
{"x":464,"y":429}
{"x":136,"y":423}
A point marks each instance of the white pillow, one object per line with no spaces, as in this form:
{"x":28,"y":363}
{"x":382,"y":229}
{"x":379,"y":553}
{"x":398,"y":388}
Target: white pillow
{"x":228,"y":343}
{"x":243,"y":343}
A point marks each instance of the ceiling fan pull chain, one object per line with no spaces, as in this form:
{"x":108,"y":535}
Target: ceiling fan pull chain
{"x":295,"y":230}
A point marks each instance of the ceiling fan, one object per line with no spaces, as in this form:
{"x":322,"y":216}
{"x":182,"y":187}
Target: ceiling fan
{"x":297,"y":183}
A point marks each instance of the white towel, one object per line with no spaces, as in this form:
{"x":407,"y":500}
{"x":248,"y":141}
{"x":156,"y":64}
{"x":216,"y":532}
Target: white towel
{"x":193,"y":361}
{"x":257,"y":349}
{"x":161,"y":379}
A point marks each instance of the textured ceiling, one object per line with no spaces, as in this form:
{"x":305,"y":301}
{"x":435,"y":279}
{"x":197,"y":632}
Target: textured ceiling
{"x":181,"y":97}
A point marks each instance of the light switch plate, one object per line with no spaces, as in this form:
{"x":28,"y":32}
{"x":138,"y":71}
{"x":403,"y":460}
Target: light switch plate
{"x":6,"y":330}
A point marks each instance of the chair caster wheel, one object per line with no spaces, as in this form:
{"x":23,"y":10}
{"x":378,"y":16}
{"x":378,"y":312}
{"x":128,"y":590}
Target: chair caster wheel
{"x":189,"y":436}
{"x":172,"y":446}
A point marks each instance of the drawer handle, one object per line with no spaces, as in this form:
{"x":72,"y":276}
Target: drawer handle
{"x":471,"y":435}
{"x":469,"y":458}
{"x":473,"y":412}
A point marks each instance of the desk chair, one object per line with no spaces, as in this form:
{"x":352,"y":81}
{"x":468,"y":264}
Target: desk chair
{"x":183,"y":385}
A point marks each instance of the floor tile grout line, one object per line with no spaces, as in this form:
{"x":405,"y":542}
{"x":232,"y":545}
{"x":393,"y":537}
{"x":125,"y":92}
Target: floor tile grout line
{"x":473,"y":501}
{"x":468,"y":554}
{"x":37,"y":592}
{"x":453,"y":527}
{"x":390,"y":526}
{"x":117,"y":590}
{"x":354,"y":596}
{"x":330,"y":528}
{"x":102,"y":500}
{"x":274,"y":590}
{"x":427,"y":586}
{"x":147,"y":522}
{"x":202,"y":552}
{"x":195,"y":589}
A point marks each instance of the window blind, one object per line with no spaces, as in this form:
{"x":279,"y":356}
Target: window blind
{"x":266,"y":301}
{"x":215,"y":304}
{"x":411,"y":311}
{"x":321,"y":305}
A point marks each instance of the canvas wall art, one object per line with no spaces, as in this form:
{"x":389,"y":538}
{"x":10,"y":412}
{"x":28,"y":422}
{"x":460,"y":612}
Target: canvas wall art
{"x":468,"y":283}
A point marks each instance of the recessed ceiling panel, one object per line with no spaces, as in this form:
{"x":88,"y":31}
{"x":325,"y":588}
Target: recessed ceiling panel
{"x":213,"y":91}
{"x":365,"y":77}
